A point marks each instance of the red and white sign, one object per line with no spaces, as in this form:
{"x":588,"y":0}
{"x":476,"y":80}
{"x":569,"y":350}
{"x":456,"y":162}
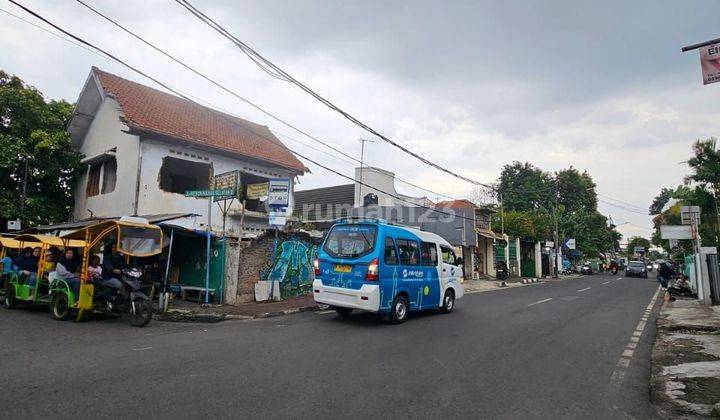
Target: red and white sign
{"x":710,"y":63}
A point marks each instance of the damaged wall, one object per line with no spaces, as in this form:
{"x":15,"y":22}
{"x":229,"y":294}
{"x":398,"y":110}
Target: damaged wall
{"x":106,"y":132}
{"x":153,"y":200}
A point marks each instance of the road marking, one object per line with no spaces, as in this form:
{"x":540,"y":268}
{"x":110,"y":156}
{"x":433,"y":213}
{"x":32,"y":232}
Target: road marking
{"x":587,"y":288}
{"x":142,"y":349}
{"x":540,"y":301}
{"x":618,"y":375}
{"x":619,"y":278}
{"x":440,"y":363}
{"x":324,"y":312}
{"x":606,"y":282}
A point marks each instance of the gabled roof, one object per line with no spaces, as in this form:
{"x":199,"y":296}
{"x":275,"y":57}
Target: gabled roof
{"x":151,"y":111}
{"x":456,"y":204}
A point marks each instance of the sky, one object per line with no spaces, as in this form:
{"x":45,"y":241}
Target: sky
{"x":599,"y":86}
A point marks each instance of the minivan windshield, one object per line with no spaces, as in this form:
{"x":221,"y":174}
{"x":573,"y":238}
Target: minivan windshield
{"x":350,"y":241}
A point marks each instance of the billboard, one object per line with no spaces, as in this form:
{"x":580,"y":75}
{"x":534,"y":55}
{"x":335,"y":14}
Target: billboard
{"x":710,"y":63}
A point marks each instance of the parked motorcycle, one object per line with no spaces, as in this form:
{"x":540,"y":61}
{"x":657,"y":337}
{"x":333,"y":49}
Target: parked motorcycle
{"x":502,"y":271}
{"x":586,"y":269}
{"x":125,"y":298}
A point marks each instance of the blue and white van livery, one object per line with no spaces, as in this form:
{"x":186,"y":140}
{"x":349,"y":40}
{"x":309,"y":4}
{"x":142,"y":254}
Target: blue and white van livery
{"x":371,"y":265}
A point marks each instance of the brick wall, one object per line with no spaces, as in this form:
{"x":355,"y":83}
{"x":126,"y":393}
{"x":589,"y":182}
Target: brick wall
{"x":255,"y":257}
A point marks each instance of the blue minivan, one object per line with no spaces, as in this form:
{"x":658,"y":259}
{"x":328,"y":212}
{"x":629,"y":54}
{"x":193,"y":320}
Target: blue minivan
{"x":375,"y":266}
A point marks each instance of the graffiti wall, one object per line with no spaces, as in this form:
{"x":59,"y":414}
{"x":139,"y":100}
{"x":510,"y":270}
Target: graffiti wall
{"x":292,"y":267}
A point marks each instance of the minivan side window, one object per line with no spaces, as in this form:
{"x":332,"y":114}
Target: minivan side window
{"x":409,"y":252}
{"x":428,"y":254}
{"x":448,"y":255}
{"x":391,"y":257}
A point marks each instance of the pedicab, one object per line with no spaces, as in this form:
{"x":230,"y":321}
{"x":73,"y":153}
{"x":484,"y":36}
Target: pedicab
{"x":134,"y":237}
{"x":7,"y":243}
{"x":19,"y":288}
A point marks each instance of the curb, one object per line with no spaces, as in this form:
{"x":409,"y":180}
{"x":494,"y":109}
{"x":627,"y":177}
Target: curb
{"x":214,"y":317}
{"x":528,"y":281}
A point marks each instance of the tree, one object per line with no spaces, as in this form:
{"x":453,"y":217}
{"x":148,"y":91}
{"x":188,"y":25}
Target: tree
{"x":38,"y":166}
{"x":660,"y":200}
{"x":705,"y":168}
{"x":523,"y":187}
{"x":576,"y":191}
{"x":636,"y":241}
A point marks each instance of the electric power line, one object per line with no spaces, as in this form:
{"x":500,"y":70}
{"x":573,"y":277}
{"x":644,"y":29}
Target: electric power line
{"x":255,"y":56}
{"x":168,"y":87}
{"x":245,"y":100}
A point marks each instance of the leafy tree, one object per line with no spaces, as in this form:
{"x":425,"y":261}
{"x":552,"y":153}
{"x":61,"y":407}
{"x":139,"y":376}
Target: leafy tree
{"x":576,"y":191}
{"x":705,"y":172}
{"x":38,"y":166}
{"x":637,"y":241}
{"x":660,"y":201}
{"x":523,"y":187}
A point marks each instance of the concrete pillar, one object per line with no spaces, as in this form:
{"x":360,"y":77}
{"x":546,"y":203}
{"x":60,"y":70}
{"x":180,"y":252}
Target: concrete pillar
{"x":538,"y":260}
{"x":490,"y":257}
{"x":518,"y":257}
{"x":232,"y":258}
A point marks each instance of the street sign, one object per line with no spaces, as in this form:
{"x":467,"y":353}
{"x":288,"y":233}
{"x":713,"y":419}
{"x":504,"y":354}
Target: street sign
{"x":277,"y":216}
{"x":209,"y":193}
{"x":710,"y":63}
{"x":687,"y":213}
{"x":675,"y":232}
{"x":570,"y":243}
{"x":674,"y":244}
{"x":639,"y":250}
{"x":550,"y":244}
{"x":502,"y":243}
{"x":227,"y":181}
{"x":278,"y":192}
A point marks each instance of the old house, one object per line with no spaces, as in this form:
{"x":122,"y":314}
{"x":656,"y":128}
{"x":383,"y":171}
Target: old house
{"x":144,"y":148}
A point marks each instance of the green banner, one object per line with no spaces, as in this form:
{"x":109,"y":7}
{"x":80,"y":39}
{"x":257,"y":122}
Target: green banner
{"x":210,"y":193}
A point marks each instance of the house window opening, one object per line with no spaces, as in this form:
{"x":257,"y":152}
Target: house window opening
{"x":179,"y":175}
{"x":252,"y":204}
{"x":102,"y":177}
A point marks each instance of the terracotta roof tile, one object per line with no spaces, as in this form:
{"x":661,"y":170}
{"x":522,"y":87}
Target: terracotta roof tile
{"x":151,"y":110}
{"x":456,"y":204}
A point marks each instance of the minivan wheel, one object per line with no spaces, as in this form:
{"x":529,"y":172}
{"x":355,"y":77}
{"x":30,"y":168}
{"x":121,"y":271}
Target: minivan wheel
{"x":399,"y":310}
{"x":448,"y":302}
{"x":342,"y":311}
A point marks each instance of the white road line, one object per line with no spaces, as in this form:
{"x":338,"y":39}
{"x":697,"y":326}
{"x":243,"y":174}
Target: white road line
{"x":587,"y":288}
{"x":619,"y":278}
{"x":618,"y":374}
{"x":606,"y":282}
{"x":324,"y":312}
{"x":540,"y":301}
{"x":142,"y":349}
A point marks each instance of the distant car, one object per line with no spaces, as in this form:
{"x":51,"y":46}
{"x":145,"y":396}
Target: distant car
{"x":636,"y":269}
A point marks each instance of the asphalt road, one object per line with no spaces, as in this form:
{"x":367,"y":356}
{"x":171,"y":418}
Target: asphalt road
{"x":549,"y":350}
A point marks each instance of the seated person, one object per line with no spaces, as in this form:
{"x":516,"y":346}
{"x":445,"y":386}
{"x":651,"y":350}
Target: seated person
{"x":68,"y":268}
{"x":27,"y":264}
{"x":94,"y":269}
{"x":49,"y":263}
{"x":113,"y":264}
{"x":8,"y":264}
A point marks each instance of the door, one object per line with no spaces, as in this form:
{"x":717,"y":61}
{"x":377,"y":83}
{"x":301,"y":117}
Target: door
{"x":450,"y":272}
{"x":411,"y":271}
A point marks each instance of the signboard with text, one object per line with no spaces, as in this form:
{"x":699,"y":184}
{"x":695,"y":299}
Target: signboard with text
{"x":209,"y":193}
{"x":676,"y":232}
{"x":256,"y":191}
{"x":570,"y":243}
{"x":278,"y":192}
{"x":228,"y":181}
{"x":710,"y":63}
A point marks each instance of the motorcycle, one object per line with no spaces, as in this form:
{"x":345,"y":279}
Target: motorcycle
{"x":502,"y":271}
{"x":125,"y":298}
{"x":586,"y":269}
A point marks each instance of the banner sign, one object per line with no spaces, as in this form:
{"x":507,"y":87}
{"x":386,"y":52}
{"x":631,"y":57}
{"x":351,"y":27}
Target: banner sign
{"x":278,"y":192}
{"x":255,"y":191}
{"x":228,"y":181}
{"x":710,"y":63}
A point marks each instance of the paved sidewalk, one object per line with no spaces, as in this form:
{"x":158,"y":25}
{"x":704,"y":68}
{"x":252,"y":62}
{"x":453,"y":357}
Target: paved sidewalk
{"x":183,"y":311}
{"x":686,"y":360}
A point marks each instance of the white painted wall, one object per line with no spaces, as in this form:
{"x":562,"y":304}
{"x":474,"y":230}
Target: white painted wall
{"x":106,"y":132}
{"x":153,"y":200}
{"x":385,"y":181}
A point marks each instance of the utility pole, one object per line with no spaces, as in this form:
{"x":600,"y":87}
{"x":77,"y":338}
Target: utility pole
{"x":362,"y":156}
{"x":557,"y":248}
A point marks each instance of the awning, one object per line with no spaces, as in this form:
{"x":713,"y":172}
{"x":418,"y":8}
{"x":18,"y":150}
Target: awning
{"x":488,"y":234}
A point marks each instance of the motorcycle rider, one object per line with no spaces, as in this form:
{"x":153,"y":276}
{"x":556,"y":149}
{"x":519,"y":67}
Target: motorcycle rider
{"x":113,"y":264}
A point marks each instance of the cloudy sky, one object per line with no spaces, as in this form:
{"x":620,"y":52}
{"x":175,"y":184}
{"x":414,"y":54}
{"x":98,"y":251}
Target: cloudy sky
{"x":601,"y":86}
